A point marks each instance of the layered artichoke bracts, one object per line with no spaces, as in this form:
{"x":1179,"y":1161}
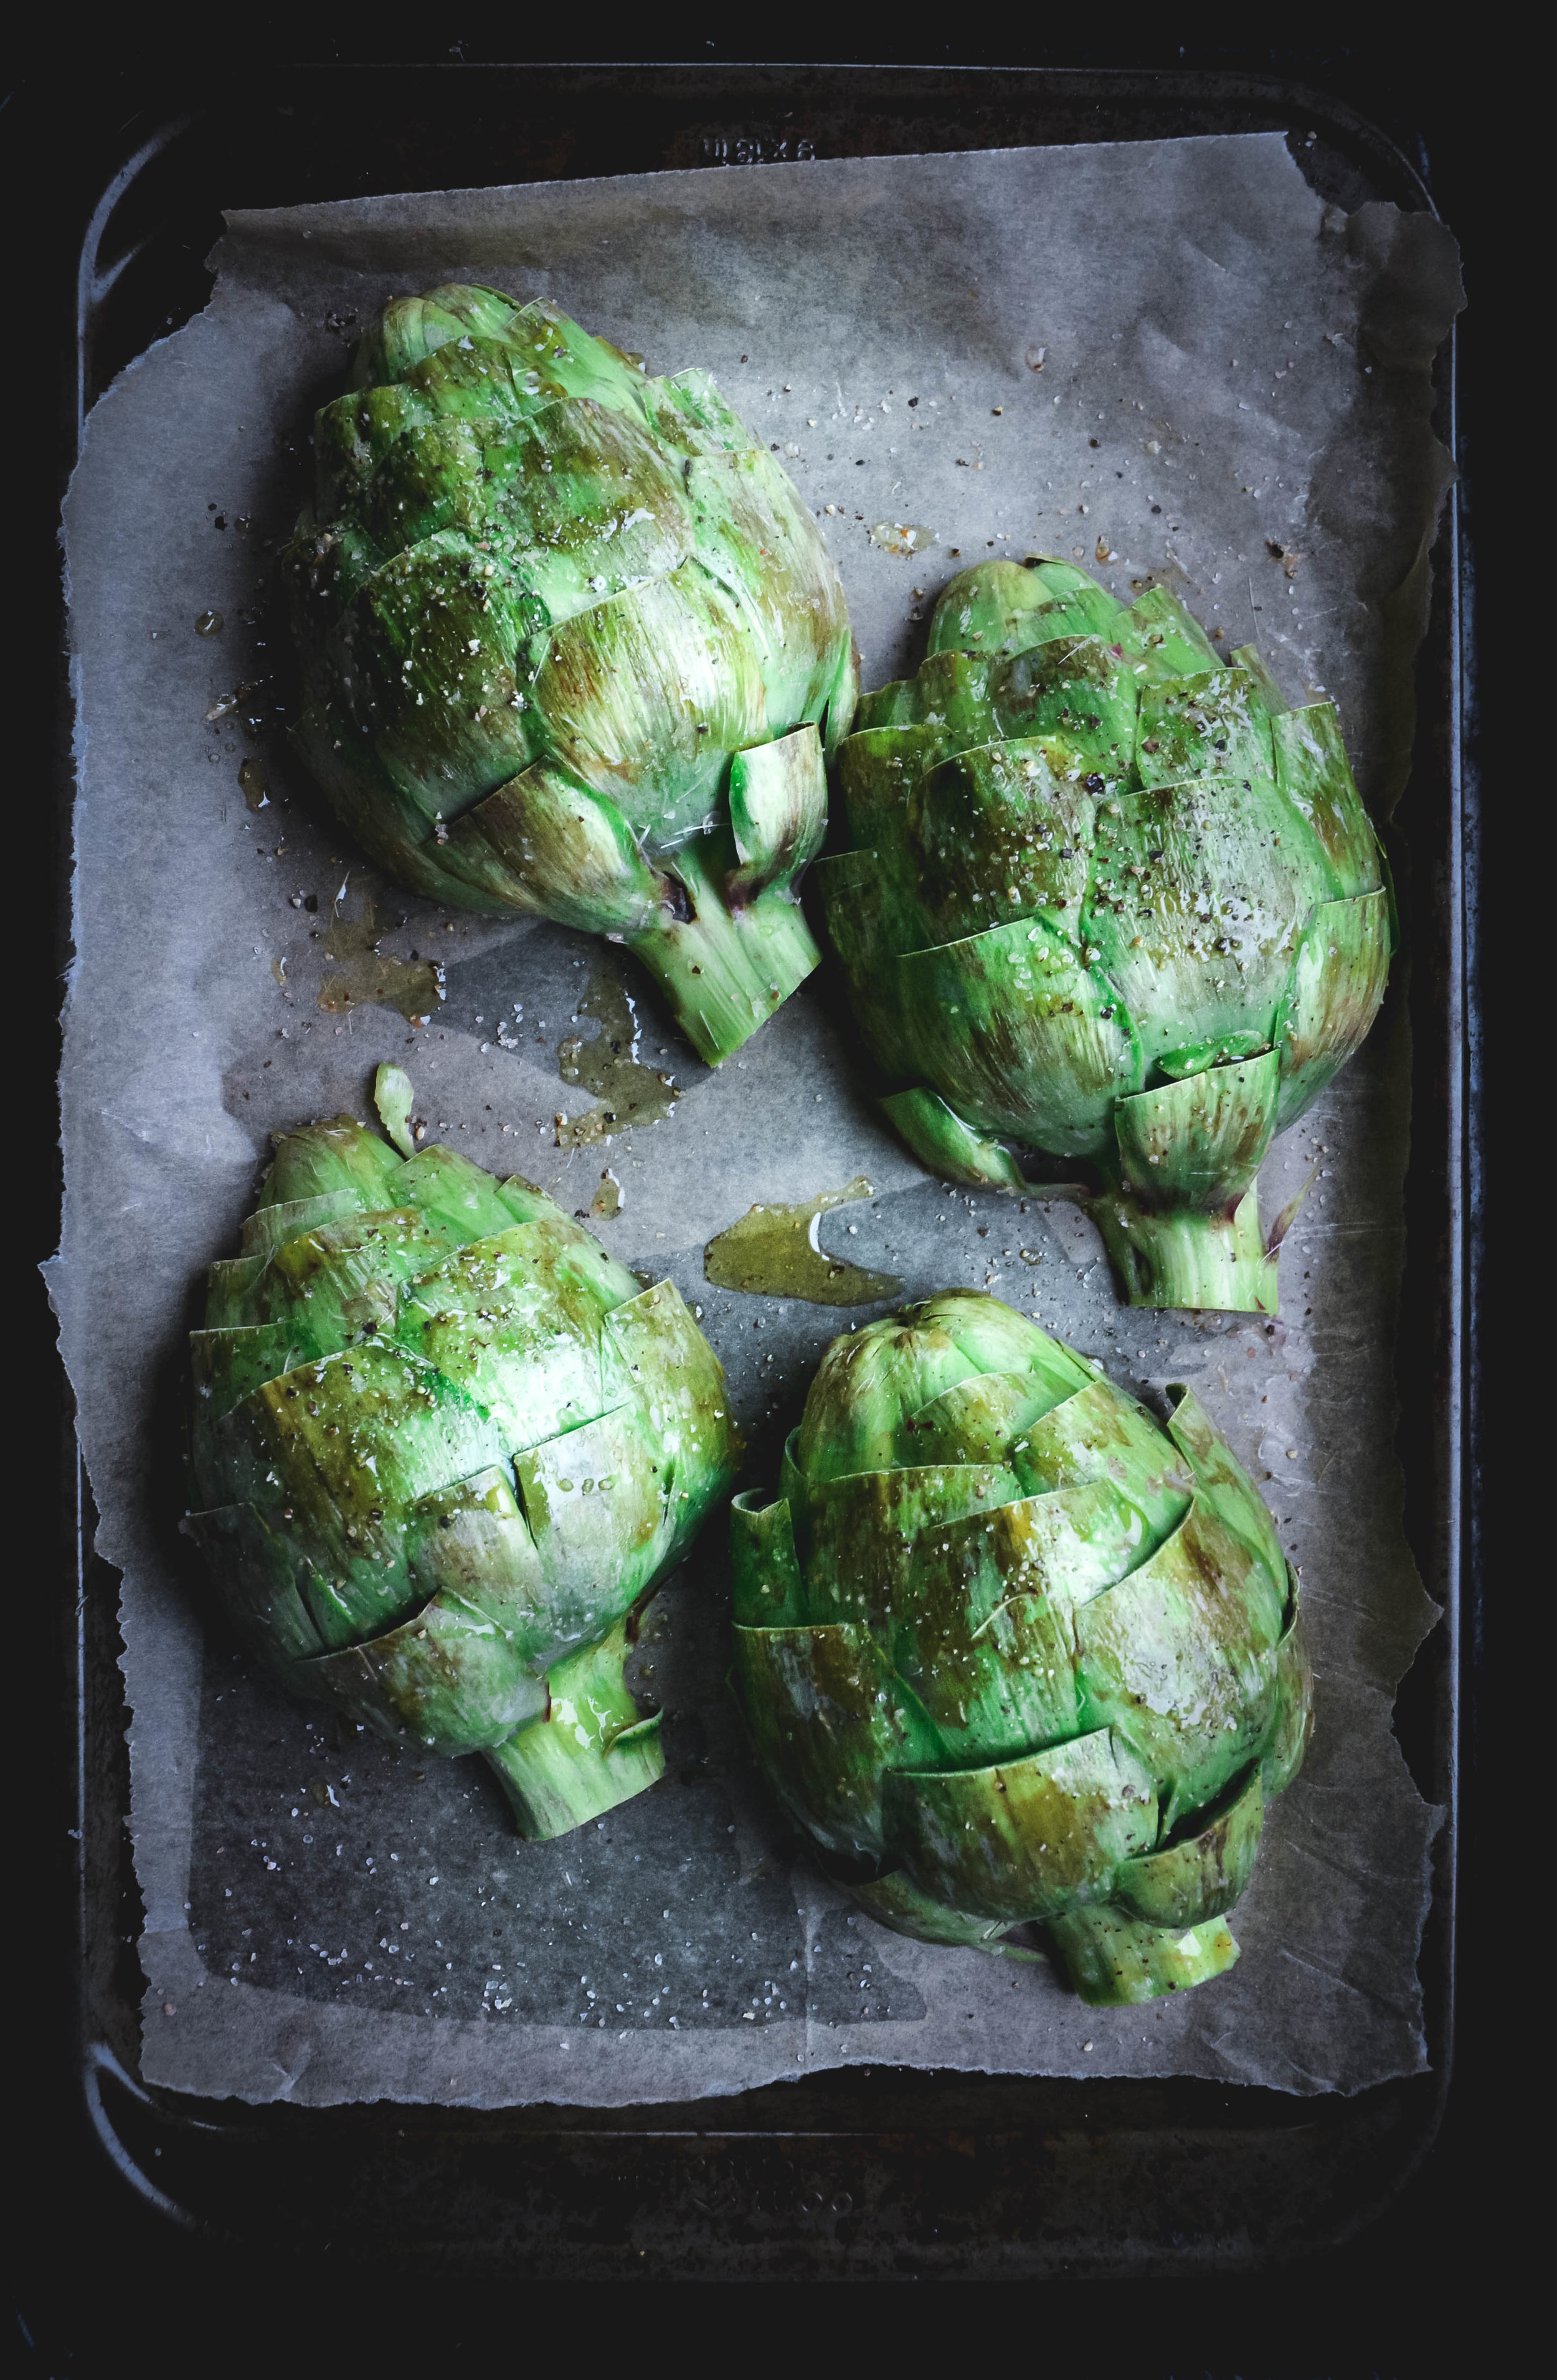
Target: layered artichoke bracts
{"x":568,"y":636}
{"x":1108,"y":899}
{"x":445,"y":1447}
{"x":1012,"y":1650}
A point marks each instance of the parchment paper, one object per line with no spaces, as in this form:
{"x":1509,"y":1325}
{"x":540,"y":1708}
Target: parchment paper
{"x":1167,"y":360}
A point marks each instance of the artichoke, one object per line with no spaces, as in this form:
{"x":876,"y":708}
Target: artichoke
{"x":445,"y":1447}
{"x":1108,"y":899}
{"x":1012,"y":1650}
{"x":568,"y":635}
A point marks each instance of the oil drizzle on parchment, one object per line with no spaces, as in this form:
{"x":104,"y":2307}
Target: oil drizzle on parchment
{"x":628,"y":1091}
{"x":364,"y":976}
{"x":776,"y":1252}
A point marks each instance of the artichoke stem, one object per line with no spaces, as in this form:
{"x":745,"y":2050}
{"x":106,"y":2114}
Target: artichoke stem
{"x":1179,"y":1256}
{"x":590,"y":1751}
{"x":724,"y":971}
{"x":1114,"y":1959}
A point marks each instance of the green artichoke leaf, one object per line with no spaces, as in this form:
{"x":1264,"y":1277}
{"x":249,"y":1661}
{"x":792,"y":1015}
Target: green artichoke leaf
{"x":601,"y":1510}
{"x":448,"y":1677}
{"x":1336,"y":989}
{"x":1223,"y":1484}
{"x":343,"y":1446}
{"x":689,"y":412}
{"x":992,"y":608}
{"x":347,"y":1275}
{"x":878,"y":768}
{"x":1194,"y":915}
{"x":228,"y":1365}
{"x":1180,"y":1657}
{"x":995,"y":838}
{"x":953,"y":693}
{"x":270,"y":1228}
{"x":778,"y":811}
{"x":754,"y":536}
{"x":1115,"y":1961}
{"x":827,"y":1717}
{"x":1217,"y":1050}
{"x":767,"y":1589}
{"x":229,"y":1284}
{"x":484,"y":380}
{"x":339,"y":1154}
{"x":938,"y":1136}
{"x":1006,"y":1685}
{"x":1294,"y":1722}
{"x":352,"y":436}
{"x":864,"y":1556}
{"x":387,"y":822}
{"x":1316,"y":780}
{"x":431,"y":478}
{"x":1196,"y":1143}
{"x":589,"y":1751}
{"x":393,"y":1097}
{"x":1100,"y":1433}
{"x":544,"y":845}
{"x":1024,"y":1839}
{"x":1171,"y":637}
{"x":1249,"y":659}
{"x":555,"y":348}
{"x":1022,"y":1038}
{"x":453,"y":1192}
{"x":863,"y":924}
{"x":896,"y":704}
{"x":998,"y":607}
{"x":665,"y":674}
{"x":1199,"y":1876}
{"x":870,"y":1382}
{"x":1079,"y":692}
{"x":517,"y":1331}
{"x":257,"y":1570}
{"x":1214,"y":724}
{"x":579,"y":502}
{"x":440,"y":635}
{"x":991,"y":1336}
{"x":654,"y":1357}
{"x":409,"y":329}
{"x":980,"y":1419}
{"x":894,"y":1900}
{"x":472,"y":1542}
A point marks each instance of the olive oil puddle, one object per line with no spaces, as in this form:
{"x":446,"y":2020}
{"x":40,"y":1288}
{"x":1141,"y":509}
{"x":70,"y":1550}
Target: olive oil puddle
{"x":609,"y":1066}
{"x":364,"y":976}
{"x":775,"y":1252}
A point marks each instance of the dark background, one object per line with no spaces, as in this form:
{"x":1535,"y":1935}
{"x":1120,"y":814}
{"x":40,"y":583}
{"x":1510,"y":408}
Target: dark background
{"x":99,"y":2275}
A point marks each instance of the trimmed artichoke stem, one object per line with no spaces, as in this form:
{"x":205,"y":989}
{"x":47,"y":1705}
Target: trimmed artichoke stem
{"x":724,"y":972}
{"x":590,"y":1751}
{"x":1181,"y":1257}
{"x":553,"y":1786}
{"x":1112,"y":1959}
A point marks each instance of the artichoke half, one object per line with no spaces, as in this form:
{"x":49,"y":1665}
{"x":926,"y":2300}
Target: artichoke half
{"x":1108,"y":899}
{"x":568,"y":636}
{"x":446,"y":1447}
{"x":1011,"y":1650}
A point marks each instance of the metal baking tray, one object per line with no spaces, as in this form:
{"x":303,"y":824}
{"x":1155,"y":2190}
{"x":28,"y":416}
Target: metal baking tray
{"x":867,"y":2173}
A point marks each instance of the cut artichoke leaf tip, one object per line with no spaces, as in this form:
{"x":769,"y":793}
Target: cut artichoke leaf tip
{"x":1016,"y":1654}
{"x":569,"y":637}
{"x":446,"y":1446}
{"x":1107,"y":899}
